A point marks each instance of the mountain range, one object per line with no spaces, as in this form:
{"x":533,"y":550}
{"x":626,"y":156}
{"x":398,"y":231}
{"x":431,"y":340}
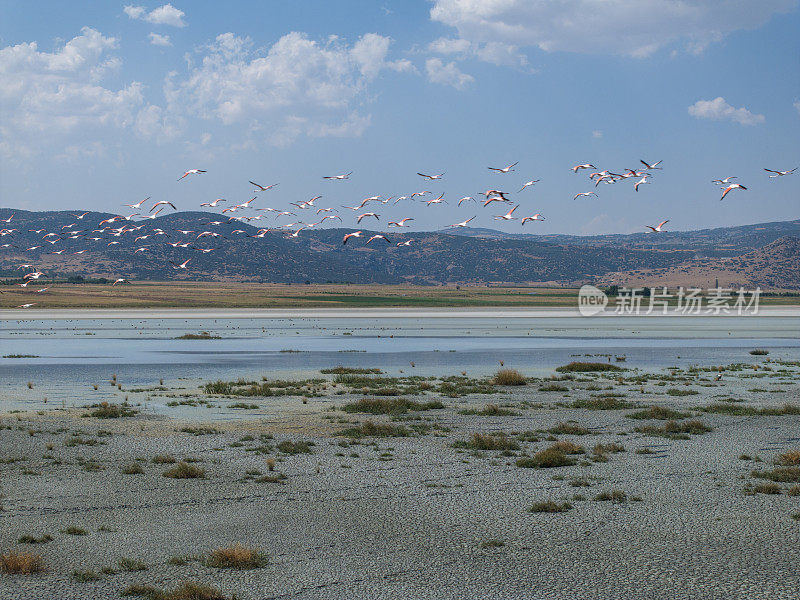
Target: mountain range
{"x":765,"y":254}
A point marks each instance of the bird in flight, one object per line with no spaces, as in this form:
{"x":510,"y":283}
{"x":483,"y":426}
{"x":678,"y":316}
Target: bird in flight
{"x":336,"y":177}
{"x":780,"y":173}
{"x":355,"y":234}
{"x":162,"y":203}
{"x":640,"y":182}
{"x":368,"y":214}
{"x":120,"y":280}
{"x":733,"y":186}
{"x":182,"y":265}
{"x":378,"y":236}
{"x":214,"y":203}
{"x":507,"y":216}
{"x":576,"y":196}
{"x":725,"y":181}
{"x":503,"y":169}
{"x":536,"y":217}
{"x":406,"y":243}
{"x":400,"y":223}
{"x":657,"y":228}
{"x":431,"y":177}
{"x":138,"y":205}
{"x":463,"y":223}
{"x":191,"y":172}
{"x":577,"y":168}
{"x":653,"y":166}
{"x":529,"y":183}
{"x":262,"y":188}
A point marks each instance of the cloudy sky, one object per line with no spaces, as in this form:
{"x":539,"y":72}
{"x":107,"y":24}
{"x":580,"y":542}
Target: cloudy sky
{"x":104,"y":103}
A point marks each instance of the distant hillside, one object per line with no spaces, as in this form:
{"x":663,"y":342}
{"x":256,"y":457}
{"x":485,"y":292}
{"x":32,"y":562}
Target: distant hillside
{"x":775,"y":266}
{"x":318,"y":256}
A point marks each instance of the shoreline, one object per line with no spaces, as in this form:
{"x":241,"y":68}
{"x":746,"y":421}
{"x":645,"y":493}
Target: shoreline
{"x":363,"y":313}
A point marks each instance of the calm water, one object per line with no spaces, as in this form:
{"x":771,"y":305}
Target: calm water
{"x":74,"y":354}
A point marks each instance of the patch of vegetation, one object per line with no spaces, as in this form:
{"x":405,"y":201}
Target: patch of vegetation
{"x":780,"y":474}
{"x":553,"y":387}
{"x":21,"y":356}
{"x":21,"y":563}
{"x":104,"y":410}
{"x":509,"y":377}
{"x":549,"y":458}
{"x":394,"y":406}
{"x":658,"y":412}
{"x":288,"y":447}
{"x":307,"y":388}
{"x":456,"y":387}
{"x":32,"y":539}
{"x":550,"y":506}
{"x":616,"y":496}
{"x":132,"y":469}
{"x":759,"y":352}
{"x":680,"y":392}
{"x":203,"y":335}
{"x":490,"y":410}
{"x":605,"y":402}
{"x":163,"y":459}
{"x":131,"y":565}
{"x":243,"y":405}
{"x":676,"y":430}
{"x":85,"y":576}
{"x":371,"y":429}
{"x":484,"y":441}
{"x":568,"y":429}
{"x":200,"y":430}
{"x":340,"y":370}
{"x":767,"y":488}
{"x":237,"y":557}
{"x":788,"y":459}
{"x":587,"y":367}
{"x":185,"y":591}
{"x":748,"y":411}
{"x":184,"y":470}
{"x":74,"y":530}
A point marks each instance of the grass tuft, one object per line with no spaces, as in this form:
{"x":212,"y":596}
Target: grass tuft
{"x":21,"y":563}
{"x":184,"y":470}
{"x":586,"y":367}
{"x":509,"y":377}
{"x":237,"y":557}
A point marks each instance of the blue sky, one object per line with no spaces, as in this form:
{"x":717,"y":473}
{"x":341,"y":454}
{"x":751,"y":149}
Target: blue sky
{"x":105,"y":103}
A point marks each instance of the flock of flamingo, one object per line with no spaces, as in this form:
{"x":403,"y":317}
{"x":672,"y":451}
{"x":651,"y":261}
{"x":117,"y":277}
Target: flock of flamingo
{"x":130,"y":226}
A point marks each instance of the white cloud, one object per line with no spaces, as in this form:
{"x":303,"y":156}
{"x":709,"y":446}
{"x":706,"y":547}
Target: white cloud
{"x":297,"y":87}
{"x":597,"y":134}
{"x":447,"y":74}
{"x":159,"y":40}
{"x":50,"y":94}
{"x":627,"y":27}
{"x":719,"y":110}
{"x":163,"y":15}
{"x":496,"y":53}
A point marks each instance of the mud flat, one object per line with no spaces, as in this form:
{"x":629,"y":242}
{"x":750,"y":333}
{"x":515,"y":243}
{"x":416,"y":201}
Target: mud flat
{"x":432,"y":488}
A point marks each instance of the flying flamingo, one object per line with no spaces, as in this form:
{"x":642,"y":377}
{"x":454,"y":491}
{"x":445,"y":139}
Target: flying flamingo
{"x":431,"y":177}
{"x":349,"y":235}
{"x":504,"y":169}
{"x":191,"y":172}
{"x":536,"y":217}
{"x":657,"y":228}
{"x":8,"y":220}
{"x":262,"y":188}
{"x":529,"y":183}
{"x":214,"y":203}
{"x":733,"y":186}
{"x":577,"y":168}
{"x":138,"y":205}
{"x":182,"y":265}
{"x":507,"y":216}
{"x":780,"y":173}
{"x":400,"y":223}
{"x":640,"y":182}
{"x":162,"y":203}
{"x":379,"y":236}
{"x":336,"y":177}
{"x":120,"y":280}
{"x":406,"y":243}
{"x":576,"y":196}
{"x":725,"y":181}
{"x":653,"y":166}
{"x":463,"y":223}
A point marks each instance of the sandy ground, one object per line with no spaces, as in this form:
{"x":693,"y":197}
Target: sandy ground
{"x":414,"y":517}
